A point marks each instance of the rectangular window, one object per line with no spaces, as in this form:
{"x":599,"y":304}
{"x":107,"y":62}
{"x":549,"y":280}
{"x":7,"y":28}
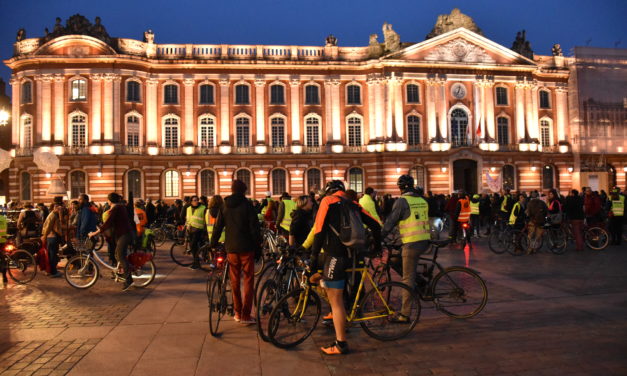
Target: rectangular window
{"x":313,"y":180}
{"x":78,"y":90}
{"x":171,"y":137}
{"x":544,"y":99}
{"x":356,"y":180}
{"x":27,"y":92}
{"x":277,"y":94}
{"x":242,"y":136}
{"x":278,"y":182}
{"x":413,"y":95}
{"x":78,"y":135}
{"x":502,"y":131}
{"x":278,"y":136}
{"x":353,"y":93}
{"x":311,"y":95}
{"x":501,"y":96}
{"x":132,"y":91}
{"x":27,"y":136}
{"x":313,"y":135}
{"x":171,"y":184}
{"x":241,"y":94}
{"x":206,"y":137}
{"x":413,"y":130}
{"x":206,"y":94}
{"x":170,"y":93}
{"x":545,"y":134}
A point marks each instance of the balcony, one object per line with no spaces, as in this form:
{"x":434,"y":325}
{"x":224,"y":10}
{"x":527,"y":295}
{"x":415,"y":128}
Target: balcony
{"x":313,"y":149}
{"x":76,"y":150}
{"x":170,"y":151}
{"x":136,"y":150}
{"x":24,"y":152}
{"x":206,"y":150}
{"x":355,"y":149}
{"x":243,"y":150}
{"x":509,"y":147}
{"x":418,"y":147}
{"x":278,"y":150}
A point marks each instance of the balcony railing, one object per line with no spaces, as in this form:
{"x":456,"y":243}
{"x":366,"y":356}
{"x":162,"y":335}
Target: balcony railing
{"x":509,"y":147}
{"x":132,"y":149}
{"x":24,"y":152}
{"x":418,"y":147}
{"x":550,"y":149}
{"x":355,"y":149}
{"x":76,"y":150}
{"x":205,"y":150}
{"x":243,"y":150}
{"x":313,"y":149}
{"x":278,"y":150}
{"x":170,"y":151}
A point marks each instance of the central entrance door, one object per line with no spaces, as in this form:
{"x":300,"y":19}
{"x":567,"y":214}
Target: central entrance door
{"x":465,"y":175}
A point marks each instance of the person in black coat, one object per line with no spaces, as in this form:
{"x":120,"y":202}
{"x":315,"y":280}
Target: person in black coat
{"x":302,"y":220}
{"x":573,"y":207}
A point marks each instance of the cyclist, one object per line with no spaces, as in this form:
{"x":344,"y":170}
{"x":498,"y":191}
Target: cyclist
{"x":506,"y":205}
{"x":284,"y":216}
{"x":411,"y":214}
{"x":142,"y":218}
{"x":474,"y":215}
{"x":3,"y":239}
{"x":573,"y":208}
{"x":463,"y":212}
{"x":211,"y":215}
{"x":52,"y":235}
{"x":336,"y":257}
{"x":616,"y":214}
{"x":86,"y":217}
{"x":302,"y":221}
{"x":195,"y":223}
{"x":368,"y":202}
{"x":536,"y":213}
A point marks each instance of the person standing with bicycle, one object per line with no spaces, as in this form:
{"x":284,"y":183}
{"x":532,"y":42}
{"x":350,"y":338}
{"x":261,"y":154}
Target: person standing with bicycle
{"x":573,"y":208}
{"x":195,"y":223}
{"x":52,"y":235}
{"x":616,"y":214}
{"x":411,"y":214}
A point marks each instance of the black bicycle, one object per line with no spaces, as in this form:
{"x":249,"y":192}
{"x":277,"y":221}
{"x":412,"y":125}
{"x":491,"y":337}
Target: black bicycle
{"x":219,"y":293}
{"x":19,"y":264}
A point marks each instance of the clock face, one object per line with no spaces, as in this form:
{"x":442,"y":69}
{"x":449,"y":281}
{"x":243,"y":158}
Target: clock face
{"x":459,"y":91}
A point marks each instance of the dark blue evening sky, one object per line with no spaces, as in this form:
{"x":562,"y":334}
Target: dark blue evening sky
{"x":600,"y":23}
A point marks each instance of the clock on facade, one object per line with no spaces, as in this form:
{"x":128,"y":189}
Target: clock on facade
{"x":458,"y":90}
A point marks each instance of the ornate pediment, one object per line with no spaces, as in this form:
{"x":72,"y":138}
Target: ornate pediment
{"x":459,"y":50}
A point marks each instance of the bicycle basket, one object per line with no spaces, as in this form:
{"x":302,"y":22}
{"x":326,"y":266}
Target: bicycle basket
{"x":139,"y":258}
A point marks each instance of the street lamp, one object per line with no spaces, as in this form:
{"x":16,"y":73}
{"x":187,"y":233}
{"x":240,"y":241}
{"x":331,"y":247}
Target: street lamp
{"x":4,"y":117}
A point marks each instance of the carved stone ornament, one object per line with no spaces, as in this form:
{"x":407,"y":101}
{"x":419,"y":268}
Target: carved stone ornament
{"x":455,"y":20}
{"x":131,"y":46}
{"x":459,"y":50}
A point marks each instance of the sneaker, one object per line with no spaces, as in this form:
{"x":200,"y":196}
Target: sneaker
{"x":248,"y":321}
{"x":195,"y":266}
{"x":336,"y":348}
{"x":399,"y":319}
{"x":127,"y":285}
{"x":55,"y":275}
{"x":328,"y":319}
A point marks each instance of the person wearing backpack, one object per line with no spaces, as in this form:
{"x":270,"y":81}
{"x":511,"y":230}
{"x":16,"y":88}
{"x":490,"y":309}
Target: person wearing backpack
{"x":339,"y":229}
{"x":411,"y":214}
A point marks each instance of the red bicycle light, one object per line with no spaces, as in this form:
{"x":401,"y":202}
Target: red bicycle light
{"x":465,"y":225}
{"x":220,"y":259}
{"x":9,"y":247}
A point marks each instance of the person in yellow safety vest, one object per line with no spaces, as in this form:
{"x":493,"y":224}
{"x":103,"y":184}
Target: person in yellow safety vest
{"x":284,"y":216}
{"x":517,"y":216}
{"x":506,"y":205}
{"x":463,"y":215}
{"x":211,"y":216}
{"x":474,"y":214}
{"x":411,"y":214}
{"x":617,"y":215}
{"x":266,"y":202}
{"x":368,"y":202}
{"x":195,"y":224}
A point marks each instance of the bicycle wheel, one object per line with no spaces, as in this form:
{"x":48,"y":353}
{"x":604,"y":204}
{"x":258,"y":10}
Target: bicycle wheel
{"x":151,"y":247}
{"x":99,"y":242}
{"x":266,"y":274}
{"x":459,"y":292}
{"x":294,"y":318}
{"x":81,"y":272}
{"x":513,"y":240}
{"x":596,"y":238}
{"x":268,"y":297}
{"x":160,"y":236}
{"x":379,"y":307}
{"x":217,"y":305}
{"x":259,"y":264}
{"x":22,"y":266}
{"x":144,"y":275}
{"x":557,"y":241}
{"x":497,"y":242}
{"x":181,"y":254}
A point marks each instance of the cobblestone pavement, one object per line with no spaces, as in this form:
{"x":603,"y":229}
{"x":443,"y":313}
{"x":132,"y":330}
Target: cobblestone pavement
{"x":546,"y":315}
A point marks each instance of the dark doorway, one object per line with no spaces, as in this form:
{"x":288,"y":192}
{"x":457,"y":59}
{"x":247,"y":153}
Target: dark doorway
{"x":465,"y":175}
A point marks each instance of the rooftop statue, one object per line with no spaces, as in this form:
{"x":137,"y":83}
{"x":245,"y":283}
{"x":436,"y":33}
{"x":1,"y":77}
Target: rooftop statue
{"x":522,"y":46}
{"x":331,"y":41}
{"x":455,"y":20}
{"x":391,"y":38}
{"x":78,"y":24}
{"x":557,"y":50}
{"x":21,"y":35}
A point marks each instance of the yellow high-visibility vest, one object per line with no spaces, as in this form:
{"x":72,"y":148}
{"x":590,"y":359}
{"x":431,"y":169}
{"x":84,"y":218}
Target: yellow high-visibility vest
{"x":416,"y":227}
{"x":618,"y":206}
{"x":474,"y":208}
{"x":211,"y":221}
{"x":290,"y":206}
{"x":3,"y":229}
{"x":367,"y":203}
{"x":196,"y":218}
{"x":512,"y":216}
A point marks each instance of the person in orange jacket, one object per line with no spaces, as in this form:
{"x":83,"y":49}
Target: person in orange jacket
{"x":142,"y":217}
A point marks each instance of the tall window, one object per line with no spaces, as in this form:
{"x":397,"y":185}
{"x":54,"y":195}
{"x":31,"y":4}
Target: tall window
{"x":134,"y":183}
{"x":207,"y":183}
{"x":418,"y":173}
{"x":312,"y":96}
{"x":78,"y":90}
{"x":77,"y":183}
{"x":459,"y":127}
{"x":278,"y":132}
{"x":312,"y":131}
{"x":545,"y":133}
{"x":242,"y":132}
{"x":25,"y":186}
{"x":314,"y":180}
{"x":171,"y":183}
{"x":502,"y":130}
{"x":353,"y":94}
{"x":132,"y":91}
{"x":354,"y":131}
{"x":242,"y":94}
{"x":171,"y":133}
{"x":132,"y":130}
{"x":207,"y":132}
{"x":508,"y":177}
{"x":413,"y":130}
{"x":206,"y":94}
{"x":278,"y":182}
{"x":79,"y":135}
{"x":548,"y":177}
{"x":27,"y":132}
{"x":544,"y":99}
{"x":244,"y":175}
{"x":356,"y":179}
{"x":413,"y":95}
{"x":277,"y":94}
{"x":170,"y":94}
{"x":501,"y":96}
{"x":27,"y":92}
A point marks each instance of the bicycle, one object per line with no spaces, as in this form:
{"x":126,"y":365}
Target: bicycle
{"x":296,"y":315}
{"x":20,"y":264}
{"x":506,"y":240}
{"x":166,"y":231}
{"x":181,"y":253}
{"x":456,"y":291}
{"x":555,"y":235}
{"x":496,"y":242}
{"x":595,"y":238}
{"x":272,"y":249}
{"x":82,"y":270}
{"x":220,"y":286}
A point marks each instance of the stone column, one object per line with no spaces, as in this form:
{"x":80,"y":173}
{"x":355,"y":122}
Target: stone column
{"x":490,"y":126}
{"x":534,"y":105}
{"x":151,"y":126}
{"x":335,"y":111}
{"x":59,"y":113}
{"x":561,"y":112}
{"x":224,"y":111}
{"x":478,"y":106}
{"x":529,"y":111}
{"x":188,"y":118}
{"x":107,"y":107}
{"x":442,"y":105}
{"x":36,"y":127}
{"x":520,"y":112}
{"x":399,"y":118}
{"x":371,"y":82}
{"x":260,"y":116}
{"x":431,"y":110}
{"x":117,"y":100}
{"x":46,"y":107}
{"x":15,"y":112}
{"x":389,"y":108}
{"x":96,"y":107}
{"x":295,"y":110}
{"x":379,"y":111}
{"x":328,"y":103}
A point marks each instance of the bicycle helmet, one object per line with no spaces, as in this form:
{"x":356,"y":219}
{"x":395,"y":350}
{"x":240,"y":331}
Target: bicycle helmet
{"x":334,"y":186}
{"x":405,"y":182}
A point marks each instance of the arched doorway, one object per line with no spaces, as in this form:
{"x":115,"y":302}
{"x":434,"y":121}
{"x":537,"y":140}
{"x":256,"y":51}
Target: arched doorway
{"x":465,"y":175}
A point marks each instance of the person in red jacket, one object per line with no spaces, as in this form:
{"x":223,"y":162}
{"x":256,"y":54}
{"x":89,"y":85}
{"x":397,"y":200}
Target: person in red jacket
{"x":592,"y":207}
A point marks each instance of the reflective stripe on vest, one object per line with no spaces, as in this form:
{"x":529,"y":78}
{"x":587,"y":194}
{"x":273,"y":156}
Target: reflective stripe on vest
{"x":474,"y":208}
{"x":512,"y":217}
{"x":464,"y":214}
{"x":196,"y":218}
{"x":618,"y":206}
{"x":3,"y":229}
{"x":290,"y":206}
{"x":504,"y":204}
{"x":416,"y":227}
{"x":211,"y":221}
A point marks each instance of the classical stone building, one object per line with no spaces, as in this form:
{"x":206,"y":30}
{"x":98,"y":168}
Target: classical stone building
{"x":456,"y":110}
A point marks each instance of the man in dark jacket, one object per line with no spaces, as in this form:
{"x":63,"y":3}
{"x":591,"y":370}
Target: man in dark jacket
{"x":573,"y":208}
{"x":151,"y":212}
{"x":243,"y":240}
{"x":87,"y":220}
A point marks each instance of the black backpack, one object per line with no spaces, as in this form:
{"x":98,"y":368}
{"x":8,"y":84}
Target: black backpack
{"x":352,"y":232}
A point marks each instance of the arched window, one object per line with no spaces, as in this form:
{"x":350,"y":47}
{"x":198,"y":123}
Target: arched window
{"x":206,"y":94}
{"x":312,"y":131}
{"x":277,"y":94}
{"x":27,"y":132}
{"x":206,"y":132}
{"x":548,"y":177}
{"x":354,"y":131}
{"x":501,"y":96}
{"x":413,"y":130}
{"x":242,"y":132}
{"x":279,"y":182}
{"x":502,"y":130}
{"x":134,"y":183}
{"x":459,"y":127}
{"x":133,"y":91}
{"x":546,"y":134}
{"x":25,"y":187}
{"x":78,"y":129}
{"x":418,"y":173}
{"x":413,"y":93}
{"x":353,"y":94}
{"x":312,"y":95}
{"x":171,"y":132}
{"x":244,"y":175}
{"x":242,"y":95}
{"x":207,"y":183}
{"x":314,"y":180}
{"x":545,"y":101}
{"x":77,"y":184}
{"x":170,"y":94}
{"x":277,"y":131}
{"x":172,"y":183}
{"x":508,"y":177}
{"x":356,"y":179}
{"x":132,"y":130}
{"x":78,"y":90}
{"x":27,"y":92}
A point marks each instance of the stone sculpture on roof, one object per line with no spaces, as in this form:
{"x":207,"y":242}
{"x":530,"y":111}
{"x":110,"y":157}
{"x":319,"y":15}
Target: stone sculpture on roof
{"x":455,"y":20}
{"x":331,"y":41}
{"x":391,"y":38}
{"x":78,"y":24}
{"x":522,"y":46}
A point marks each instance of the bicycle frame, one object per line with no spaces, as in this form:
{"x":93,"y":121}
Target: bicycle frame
{"x":352,"y":316}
